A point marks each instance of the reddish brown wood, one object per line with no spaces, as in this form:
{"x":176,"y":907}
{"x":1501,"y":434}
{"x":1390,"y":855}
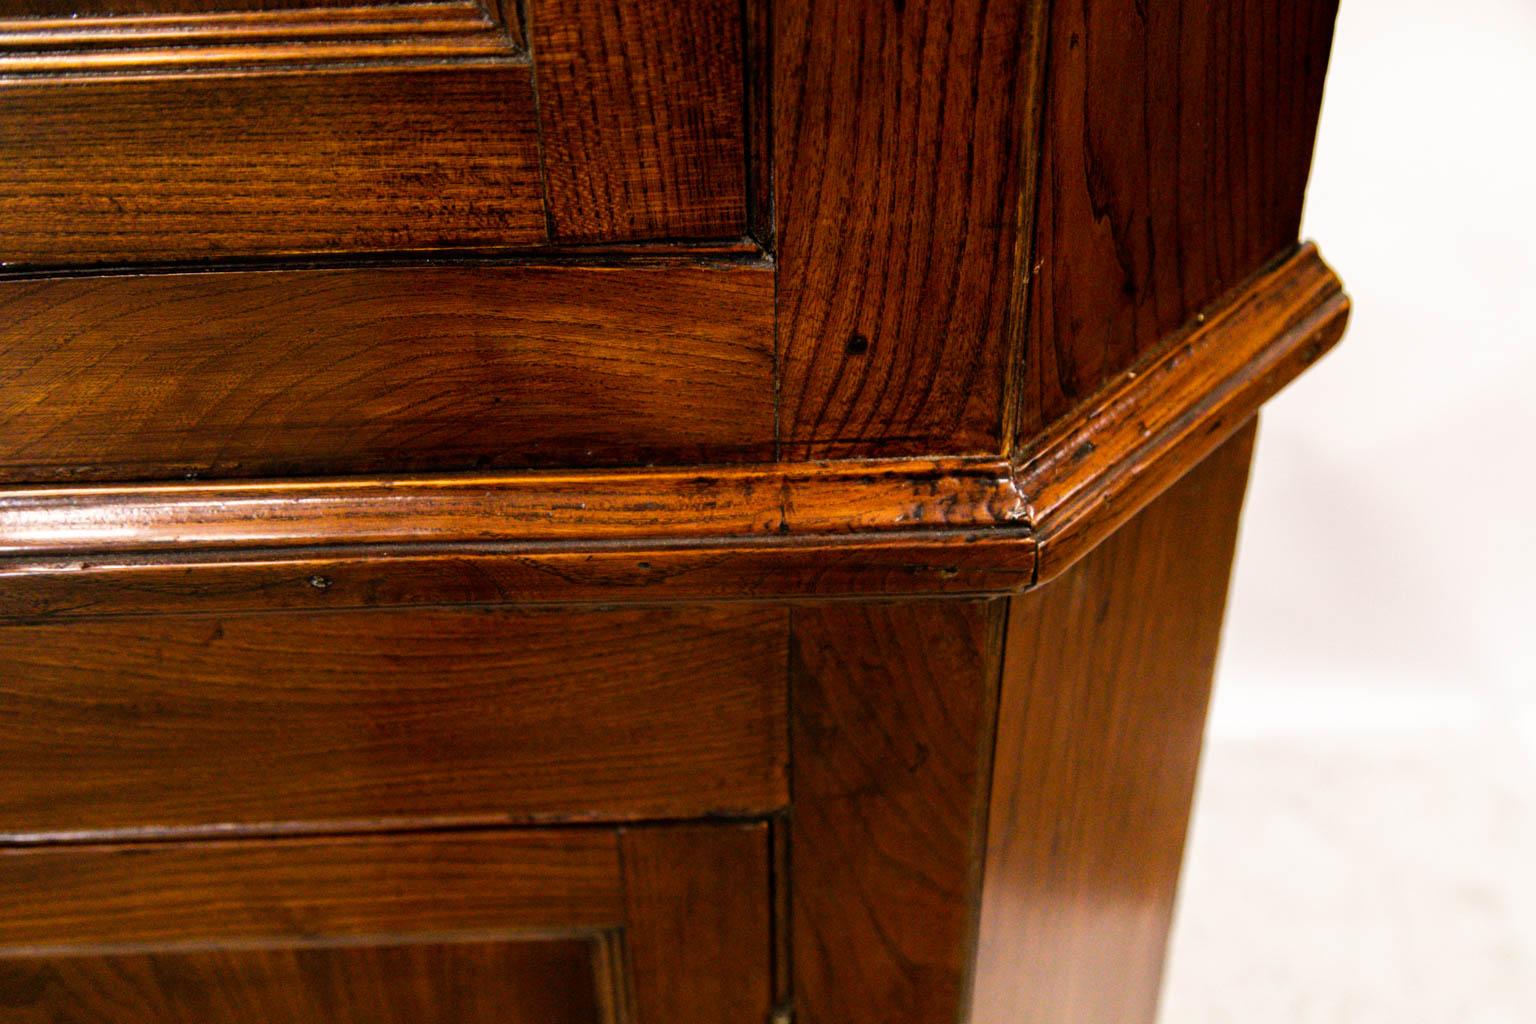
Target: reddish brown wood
{"x":641,"y":109}
{"x":1097,"y":467}
{"x":550,"y":981}
{"x":1105,"y":685}
{"x":173,"y":168}
{"x":261,"y":373}
{"x":224,"y":894}
{"x":701,"y":941}
{"x":892,"y":722}
{"x":902,"y":131}
{"x":384,"y":719}
{"x":1177,"y":140}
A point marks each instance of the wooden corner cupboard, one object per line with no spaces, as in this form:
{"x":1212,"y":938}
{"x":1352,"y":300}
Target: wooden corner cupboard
{"x":626,"y":511}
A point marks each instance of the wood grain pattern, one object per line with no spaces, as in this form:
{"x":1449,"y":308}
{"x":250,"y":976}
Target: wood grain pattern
{"x":382,"y":719}
{"x":641,"y":112}
{"x":861,"y":527}
{"x":1176,"y":144}
{"x":172,"y":40}
{"x":892,"y":722}
{"x":230,"y":893}
{"x":902,"y":134}
{"x":1105,"y":683}
{"x":391,"y":368}
{"x":199,"y":168}
{"x":700,"y":933}
{"x":467,"y":982}
{"x":1097,"y":467}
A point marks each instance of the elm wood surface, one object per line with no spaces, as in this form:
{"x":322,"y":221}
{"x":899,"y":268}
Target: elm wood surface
{"x":641,"y":114}
{"x":549,"y":981}
{"x":1176,"y":141}
{"x":892,"y":715}
{"x":1106,"y":678}
{"x":101,"y":171}
{"x":238,"y":893}
{"x":700,"y":931}
{"x":890,"y":526}
{"x":308,"y":722}
{"x":902,"y":136}
{"x":294,"y":930}
{"x":260,"y":373}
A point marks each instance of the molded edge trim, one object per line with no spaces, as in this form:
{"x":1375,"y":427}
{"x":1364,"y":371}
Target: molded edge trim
{"x":1096,"y":468}
{"x":856,"y":528}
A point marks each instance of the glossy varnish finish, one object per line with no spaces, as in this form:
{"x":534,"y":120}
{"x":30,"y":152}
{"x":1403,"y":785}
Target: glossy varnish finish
{"x":380,"y":384}
{"x":886,"y":526}
{"x":284,"y":722}
{"x":266,"y":373}
{"x":1106,"y":677}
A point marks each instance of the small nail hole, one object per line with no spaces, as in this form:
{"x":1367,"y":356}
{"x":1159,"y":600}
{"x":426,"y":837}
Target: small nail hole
{"x":857,"y":344}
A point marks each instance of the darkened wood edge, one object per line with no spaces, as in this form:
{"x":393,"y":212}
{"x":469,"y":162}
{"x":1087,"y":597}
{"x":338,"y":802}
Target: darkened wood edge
{"x":821,"y":529}
{"x":1099,"y":466}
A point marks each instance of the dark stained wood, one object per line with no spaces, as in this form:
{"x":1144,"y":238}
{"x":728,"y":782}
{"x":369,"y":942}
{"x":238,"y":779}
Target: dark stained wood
{"x":641,"y":109}
{"x":1144,"y":430}
{"x":700,"y":933}
{"x":385,"y":369}
{"x":186,"y":168}
{"x":1105,"y":683}
{"x":170,"y":38}
{"x":902,"y":133}
{"x":236,"y":892}
{"x":1177,"y":140}
{"x":892,"y":722}
{"x":375,"y":719}
{"x":951,"y":562}
{"x":468,"y":982}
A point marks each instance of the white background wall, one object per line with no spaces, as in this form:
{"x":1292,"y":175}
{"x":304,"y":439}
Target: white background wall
{"x":1364,"y":842}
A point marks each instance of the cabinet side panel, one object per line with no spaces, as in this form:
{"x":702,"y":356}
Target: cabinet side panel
{"x":1176,"y":142}
{"x":1106,"y":677}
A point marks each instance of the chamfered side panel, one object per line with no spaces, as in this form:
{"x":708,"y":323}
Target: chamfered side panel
{"x":319,"y":372}
{"x":1176,"y":141}
{"x":1106,"y":677}
{"x":104,"y":170}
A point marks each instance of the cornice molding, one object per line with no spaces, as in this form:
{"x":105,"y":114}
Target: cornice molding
{"x":966,"y":525}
